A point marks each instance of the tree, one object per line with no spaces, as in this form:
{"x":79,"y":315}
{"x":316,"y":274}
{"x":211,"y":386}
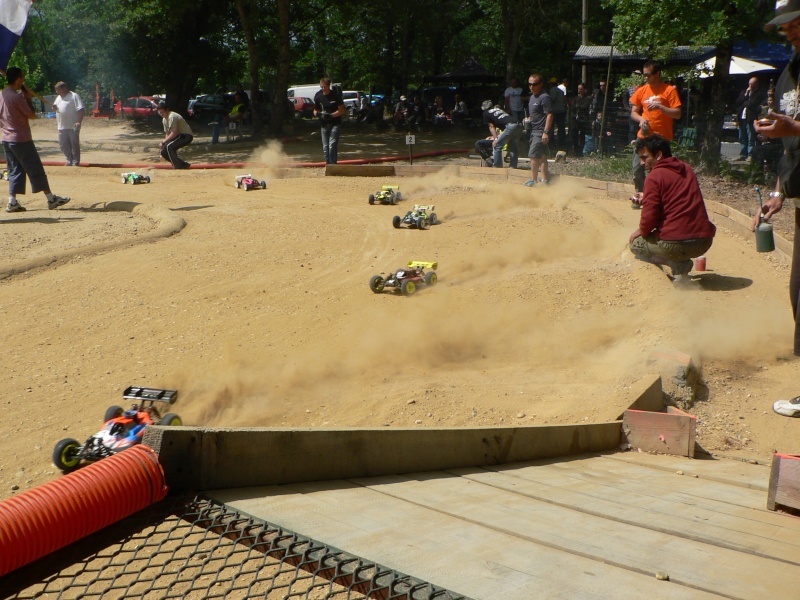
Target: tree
{"x":656,"y":28}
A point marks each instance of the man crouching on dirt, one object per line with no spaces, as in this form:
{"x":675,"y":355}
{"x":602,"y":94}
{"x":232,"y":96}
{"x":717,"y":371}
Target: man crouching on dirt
{"x":674,"y":225}
{"x":178,"y":134}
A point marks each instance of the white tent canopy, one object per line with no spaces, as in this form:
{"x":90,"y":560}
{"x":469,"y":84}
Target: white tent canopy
{"x":738,"y":66}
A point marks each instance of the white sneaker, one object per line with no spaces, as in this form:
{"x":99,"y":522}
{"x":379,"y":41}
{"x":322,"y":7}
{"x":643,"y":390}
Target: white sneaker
{"x":57,"y":201}
{"x":16,"y":207}
{"x":787,"y":408}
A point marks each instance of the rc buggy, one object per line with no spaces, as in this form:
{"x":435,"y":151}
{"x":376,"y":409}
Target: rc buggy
{"x":421,"y":217}
{"x":248,"y":182}
{"x":406,"y":280}
{"x":134,"y":178}
{"x":389,"y":194}
{"x":121,"y":429}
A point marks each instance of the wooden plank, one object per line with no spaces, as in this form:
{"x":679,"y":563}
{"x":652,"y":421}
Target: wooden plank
{"x":666,"y":513}
{"x":695,"y":564}
{"x":452,"y":552}
{"x":664,"y":433}
{"x":784,"y":482}
{"x":692,"y":430}
{"x":733,"y":472}
{"x":359,"y":170}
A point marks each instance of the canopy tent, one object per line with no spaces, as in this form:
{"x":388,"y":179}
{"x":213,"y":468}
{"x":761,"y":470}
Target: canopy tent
{"x":738,"y":66}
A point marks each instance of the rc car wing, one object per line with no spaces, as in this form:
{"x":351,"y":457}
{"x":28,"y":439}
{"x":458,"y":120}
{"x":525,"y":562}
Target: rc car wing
{"x":152,"y":394}
{"x":424,"y":207}
{"x":422,"y":263}
{"x":390,"y":188}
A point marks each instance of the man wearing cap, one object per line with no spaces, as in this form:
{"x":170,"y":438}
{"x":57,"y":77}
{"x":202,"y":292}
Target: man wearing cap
{"x":784,"y":125}
{"x":499,"y":120}
{"x":178,"y":134}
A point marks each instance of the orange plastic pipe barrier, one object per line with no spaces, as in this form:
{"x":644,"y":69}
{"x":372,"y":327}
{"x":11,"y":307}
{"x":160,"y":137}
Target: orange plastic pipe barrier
{"x":56,"y":514}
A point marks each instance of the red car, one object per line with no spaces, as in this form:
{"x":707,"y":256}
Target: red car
{"x":303,"y":107}
{"x":138,"y":107}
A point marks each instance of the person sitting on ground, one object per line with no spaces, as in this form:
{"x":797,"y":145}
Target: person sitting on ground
{"x":440,"y":115}
{"x":674,"y":226}
{"x":460,"y":111}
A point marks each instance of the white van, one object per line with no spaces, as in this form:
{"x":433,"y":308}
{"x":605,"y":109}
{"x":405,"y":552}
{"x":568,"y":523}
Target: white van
{"x":307,"y":91}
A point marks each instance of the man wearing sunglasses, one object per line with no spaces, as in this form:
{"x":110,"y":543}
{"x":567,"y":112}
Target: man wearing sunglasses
{"x":540,"y":111}
{"x":784,"y":125}
{"x":654,"y":107}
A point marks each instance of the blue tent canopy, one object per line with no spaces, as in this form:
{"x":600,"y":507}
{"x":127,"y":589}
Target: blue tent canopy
{"x":772,"y":53}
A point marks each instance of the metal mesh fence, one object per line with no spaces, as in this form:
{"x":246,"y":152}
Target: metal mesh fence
{"x":195,"y":548}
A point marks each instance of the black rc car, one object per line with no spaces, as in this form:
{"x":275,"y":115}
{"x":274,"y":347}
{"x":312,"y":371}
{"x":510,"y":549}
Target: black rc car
{"x":121,"y":428}
{"x":420,"y":217}
{"x":406,"y":280}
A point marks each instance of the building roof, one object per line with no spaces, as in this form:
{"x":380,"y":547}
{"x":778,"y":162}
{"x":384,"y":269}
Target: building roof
{"x":688,"y":55}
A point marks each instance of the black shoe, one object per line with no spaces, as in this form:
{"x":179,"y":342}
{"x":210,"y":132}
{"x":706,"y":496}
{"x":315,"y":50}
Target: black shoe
{"x":183,"y":166}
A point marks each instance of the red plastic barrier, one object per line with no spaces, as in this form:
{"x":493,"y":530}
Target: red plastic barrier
{"x":58,"y":513}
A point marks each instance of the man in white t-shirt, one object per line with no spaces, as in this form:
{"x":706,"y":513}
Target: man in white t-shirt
{"x":69,"y":115}
{"x":514,"y":100}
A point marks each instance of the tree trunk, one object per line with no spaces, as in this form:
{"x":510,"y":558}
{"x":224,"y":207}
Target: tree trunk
{"x":284,"y":65}
{"x":247,"y":16}
{"x":710,"y":151}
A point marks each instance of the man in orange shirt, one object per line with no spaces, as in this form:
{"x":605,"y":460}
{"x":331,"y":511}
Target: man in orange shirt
{"x":654,"y":106}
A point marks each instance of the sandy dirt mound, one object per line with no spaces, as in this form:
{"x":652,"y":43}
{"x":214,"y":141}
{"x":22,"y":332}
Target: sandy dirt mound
{"x":259,"y":310}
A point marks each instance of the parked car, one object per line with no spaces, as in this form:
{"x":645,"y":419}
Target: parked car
{"x":139,"y":107}
{"x":352,"y":101}
{"x":303,"y":107}
{"x":209,"y":106}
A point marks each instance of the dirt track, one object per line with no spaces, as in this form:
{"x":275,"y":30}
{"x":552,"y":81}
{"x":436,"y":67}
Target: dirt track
{"x":259,"y":311}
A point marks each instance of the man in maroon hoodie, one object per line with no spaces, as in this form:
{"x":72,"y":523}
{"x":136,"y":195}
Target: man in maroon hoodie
{"x":674,"y":225}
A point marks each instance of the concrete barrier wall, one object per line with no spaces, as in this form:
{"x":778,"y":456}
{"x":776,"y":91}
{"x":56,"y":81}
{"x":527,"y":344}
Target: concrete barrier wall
{"x":227,"y":458}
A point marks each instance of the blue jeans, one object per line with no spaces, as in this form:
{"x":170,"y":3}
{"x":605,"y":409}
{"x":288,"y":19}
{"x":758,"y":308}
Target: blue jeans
{"x":747,"y":138}
{"x":23,"y":159}
{"x":510,"y":136}
{"x":330,"y":143}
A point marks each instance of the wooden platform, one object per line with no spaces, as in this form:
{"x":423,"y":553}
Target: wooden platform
{"x":599,"y":526}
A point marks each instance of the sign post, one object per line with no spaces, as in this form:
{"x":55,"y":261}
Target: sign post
{"x":410,"y":141}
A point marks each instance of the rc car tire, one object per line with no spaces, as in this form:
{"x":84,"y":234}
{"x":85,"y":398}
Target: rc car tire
{"x":393,"y":199}
{"x":65,"y":455}
{"x":238,"y":184}
{"x":263,"y":185}
{"x":433,"y":219}
{"x":372,"y":198}
{"x":408,"y":287}
{"x":421,"y":223}
{"x":398,"y":196}
{"x":396,"y":221}
{"x":170,"y":420}
{"x":112,"y":412}
{"x":247,"y":187}
{"x":124,"y":180}
{"x":147,"y":178}
{"x":377,"y":284}
{"x":431,"y":278}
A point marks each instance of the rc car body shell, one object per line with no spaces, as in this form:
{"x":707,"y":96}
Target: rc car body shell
{"x":406,"y":280}
{"x":419,"y":217}
{"x":121,"y":429}
{"x":388,"y":194}
{"x":248,"y":182}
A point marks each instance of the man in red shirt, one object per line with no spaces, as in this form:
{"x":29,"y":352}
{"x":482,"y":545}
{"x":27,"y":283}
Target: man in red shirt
{"x":654,"y":106}
{"x":674,"y":225}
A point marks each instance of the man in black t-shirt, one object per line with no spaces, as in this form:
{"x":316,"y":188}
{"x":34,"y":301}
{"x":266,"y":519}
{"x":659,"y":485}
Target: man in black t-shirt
{"x":329,"y":108}
{"x":499,"y":120}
